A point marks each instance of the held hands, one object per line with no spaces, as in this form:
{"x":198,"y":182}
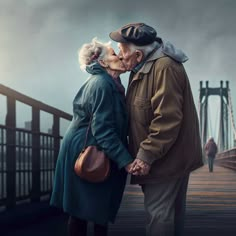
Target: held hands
{"x":138,"y":167}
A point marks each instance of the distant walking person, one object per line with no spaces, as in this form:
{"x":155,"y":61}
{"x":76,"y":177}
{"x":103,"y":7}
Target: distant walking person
{"x":211,"y":150}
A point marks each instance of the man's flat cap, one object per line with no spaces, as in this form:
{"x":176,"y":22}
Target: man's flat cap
{"x":139,"y":34}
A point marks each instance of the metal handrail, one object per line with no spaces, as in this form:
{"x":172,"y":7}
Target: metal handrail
{"x":227,"y":159}
{"x":27,"y":157}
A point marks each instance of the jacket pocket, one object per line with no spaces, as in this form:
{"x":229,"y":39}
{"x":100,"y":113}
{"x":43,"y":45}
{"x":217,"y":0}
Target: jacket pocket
{"x":142,"y":111}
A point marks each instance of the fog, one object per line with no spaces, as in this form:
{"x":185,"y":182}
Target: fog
{"x":40,"y":40}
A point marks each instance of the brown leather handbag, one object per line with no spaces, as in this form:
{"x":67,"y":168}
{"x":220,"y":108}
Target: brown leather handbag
{"x":92,"y":164}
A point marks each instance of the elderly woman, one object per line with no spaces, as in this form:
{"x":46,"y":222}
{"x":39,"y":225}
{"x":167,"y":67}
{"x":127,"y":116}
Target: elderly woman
{"x":101,"y":96}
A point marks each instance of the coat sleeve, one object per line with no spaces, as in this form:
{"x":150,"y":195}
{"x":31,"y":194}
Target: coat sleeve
{"x":167,"y":105}
{"x":103,"y":125}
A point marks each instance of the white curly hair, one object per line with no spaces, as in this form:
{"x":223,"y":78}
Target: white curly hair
{"x":91,"y":52}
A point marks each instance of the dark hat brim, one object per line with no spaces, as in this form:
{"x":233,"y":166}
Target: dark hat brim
{"x":116,"y":36}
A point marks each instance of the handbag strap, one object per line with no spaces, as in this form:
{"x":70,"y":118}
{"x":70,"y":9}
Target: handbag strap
{"x":86,"y":137}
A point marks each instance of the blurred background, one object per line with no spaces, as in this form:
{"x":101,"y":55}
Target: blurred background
{"x":39,"y":41}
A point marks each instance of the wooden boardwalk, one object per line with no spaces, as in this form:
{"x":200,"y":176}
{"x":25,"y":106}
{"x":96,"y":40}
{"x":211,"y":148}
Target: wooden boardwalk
{"x":211,"y":209}
{"x":211,"y":206}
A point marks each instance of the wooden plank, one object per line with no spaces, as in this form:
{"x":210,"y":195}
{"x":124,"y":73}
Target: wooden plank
{"x":11,"y":153}
{"x":211,"y":206}
{"x":210,"y":211}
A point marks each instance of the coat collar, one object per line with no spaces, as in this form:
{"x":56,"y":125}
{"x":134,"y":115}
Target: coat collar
{"x":167,"y":49}
{"x":95,"y":68}
{"x":148,"y":64}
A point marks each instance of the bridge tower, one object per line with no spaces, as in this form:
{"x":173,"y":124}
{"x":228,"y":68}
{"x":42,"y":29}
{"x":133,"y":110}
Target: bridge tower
{"x":225,"y":110}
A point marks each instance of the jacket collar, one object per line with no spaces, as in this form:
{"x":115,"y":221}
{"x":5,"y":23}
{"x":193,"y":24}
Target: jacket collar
{"x":140,"y":65}
{"x":95,"y":68}
{"x":148,"y":65}
{"x":167,"y":49}
{"x":149,"y":62}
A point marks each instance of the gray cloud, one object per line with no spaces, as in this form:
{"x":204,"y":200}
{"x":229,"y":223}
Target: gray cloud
{"x":40,"y":38}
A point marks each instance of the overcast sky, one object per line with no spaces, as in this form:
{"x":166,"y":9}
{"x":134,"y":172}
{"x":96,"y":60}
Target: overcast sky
{"x":39,"y":40}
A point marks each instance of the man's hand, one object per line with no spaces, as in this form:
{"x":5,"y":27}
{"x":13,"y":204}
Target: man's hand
{"x":139,"y":167}
{"x":129,"y":167}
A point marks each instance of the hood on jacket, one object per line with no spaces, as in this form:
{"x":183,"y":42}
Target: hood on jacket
{"x":94,"y":68}
{"x":177,"y":54}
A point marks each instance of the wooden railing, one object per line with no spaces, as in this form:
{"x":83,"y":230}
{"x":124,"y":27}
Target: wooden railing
{"x":27,"y":157}
{"x":227,"y":159}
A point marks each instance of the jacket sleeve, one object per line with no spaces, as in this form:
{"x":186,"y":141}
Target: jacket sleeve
{"x":167,"y":105}
{"x":103,"y":125}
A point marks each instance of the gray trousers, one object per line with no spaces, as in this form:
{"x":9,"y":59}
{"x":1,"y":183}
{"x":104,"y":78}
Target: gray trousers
{"x":165,"y":204}
{"x":211,"y":163}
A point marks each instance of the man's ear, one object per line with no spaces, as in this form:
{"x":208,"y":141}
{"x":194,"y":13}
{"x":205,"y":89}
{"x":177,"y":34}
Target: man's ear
{"x":139,"y":55}
{"x":102,"y":63}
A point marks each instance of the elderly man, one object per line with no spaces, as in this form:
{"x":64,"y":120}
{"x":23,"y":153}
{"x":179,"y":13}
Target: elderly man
{"x":164,"y":131}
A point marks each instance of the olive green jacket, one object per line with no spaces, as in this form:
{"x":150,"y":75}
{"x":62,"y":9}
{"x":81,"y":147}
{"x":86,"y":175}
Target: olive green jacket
{"x":164,"y":129}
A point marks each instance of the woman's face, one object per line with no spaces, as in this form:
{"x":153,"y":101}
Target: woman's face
{"x":129,"y":57}
{"x":113,"y":62}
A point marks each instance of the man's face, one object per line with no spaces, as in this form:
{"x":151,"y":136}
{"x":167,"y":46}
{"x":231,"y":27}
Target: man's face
{"x":128,"y":57}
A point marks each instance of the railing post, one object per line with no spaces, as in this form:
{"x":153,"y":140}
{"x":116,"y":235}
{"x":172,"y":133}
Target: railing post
{"x":227,"y":116}
{"x":200,"y":109}
{"x":56,"y":135}
{"x":11,"y":152}
{"x":205,"y":125}
{"x":222,"y":129}
{"x":35,"y":196}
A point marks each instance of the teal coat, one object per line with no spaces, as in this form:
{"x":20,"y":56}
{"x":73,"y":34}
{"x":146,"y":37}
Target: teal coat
{"x":96,"y":202}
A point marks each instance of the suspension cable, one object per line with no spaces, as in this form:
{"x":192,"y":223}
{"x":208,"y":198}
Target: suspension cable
{"x":210,"y":131}
{"x":230,"y":108}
